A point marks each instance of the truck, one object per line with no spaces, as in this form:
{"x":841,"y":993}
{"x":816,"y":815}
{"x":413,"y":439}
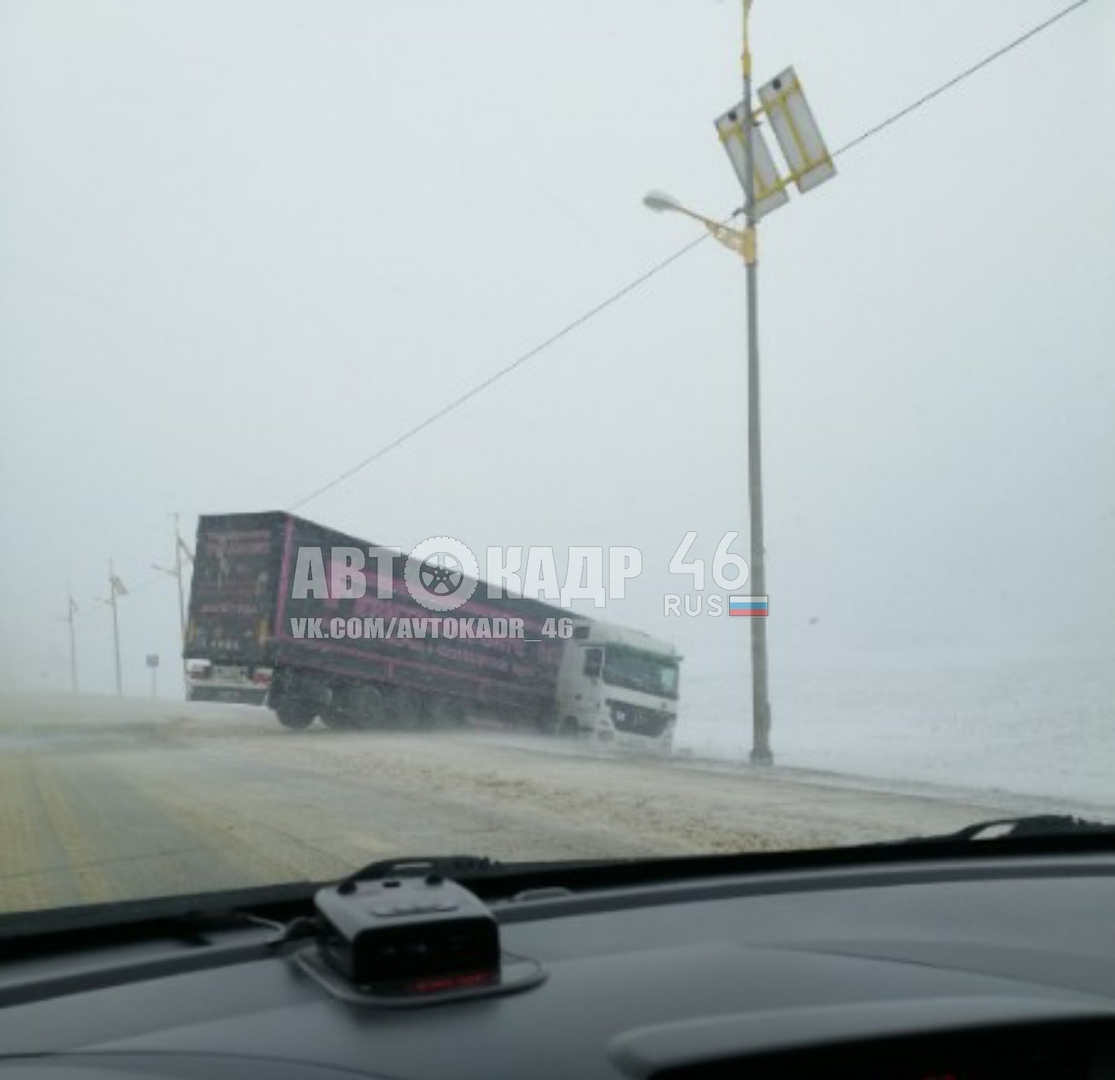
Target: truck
{"x":314,"y":623}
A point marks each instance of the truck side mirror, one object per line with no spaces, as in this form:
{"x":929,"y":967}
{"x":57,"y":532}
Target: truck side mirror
{"x":594,"y":662}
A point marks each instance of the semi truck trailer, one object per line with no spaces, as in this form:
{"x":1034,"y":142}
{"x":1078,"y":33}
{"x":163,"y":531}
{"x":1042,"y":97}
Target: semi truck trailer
{"x":314,"y":623}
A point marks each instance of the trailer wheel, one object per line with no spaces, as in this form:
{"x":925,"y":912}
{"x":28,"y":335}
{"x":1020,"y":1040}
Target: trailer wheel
{"x":295,"y":715}
{"x":337,"y":715}
{"x":352,"y":706}
{"x":337,"y":721}
{"x":369,"y":707}
{"x":448,"y":713}
{"x":296,"y":698}
{"x":409,"y":711}
{"x":568,"y":728}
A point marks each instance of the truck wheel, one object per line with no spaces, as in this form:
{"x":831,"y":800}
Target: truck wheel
{"x":296,"y":698}
{"x":448,"y":713}
{"x":369,"y":707}
{"x":409,"y":711}
{"x":295,"y":715}
{"x":568,"y":728}
{"x":356,"y":707}
{"x":336,"y":715}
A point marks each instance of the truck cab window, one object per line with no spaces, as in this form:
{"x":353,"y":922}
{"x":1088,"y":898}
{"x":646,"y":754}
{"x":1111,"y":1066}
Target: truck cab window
{"x":594,"y":661}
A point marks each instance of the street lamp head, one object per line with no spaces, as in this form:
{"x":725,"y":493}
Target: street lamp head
{"x":659,"y":201}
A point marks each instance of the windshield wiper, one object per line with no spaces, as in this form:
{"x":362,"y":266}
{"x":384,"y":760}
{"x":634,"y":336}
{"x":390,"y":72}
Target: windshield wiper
{"x":189,"y":914}
{"x":446,"y":866}
{"x":1020,"y":828}
{"x":467,"y":868}
{"x":1047,"y":834}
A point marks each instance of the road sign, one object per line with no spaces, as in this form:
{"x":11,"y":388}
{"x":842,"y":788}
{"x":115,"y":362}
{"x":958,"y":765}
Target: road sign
{"x":152,"y":660}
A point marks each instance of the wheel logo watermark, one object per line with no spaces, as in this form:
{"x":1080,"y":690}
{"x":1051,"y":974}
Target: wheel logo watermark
{"x":441,"y":573}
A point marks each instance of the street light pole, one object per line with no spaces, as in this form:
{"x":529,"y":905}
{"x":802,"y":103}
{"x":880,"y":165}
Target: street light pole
{"x":113,"y":585}
{"x":178,"y":543}
{"x":760,"y":695}
{"x":179,"y":548}
{"x":71,"y":608}
{"x":743,"y":243}
{"x":783,"y":103}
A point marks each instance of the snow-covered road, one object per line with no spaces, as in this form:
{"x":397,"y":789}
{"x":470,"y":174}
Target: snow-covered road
{"x":102,"y":799}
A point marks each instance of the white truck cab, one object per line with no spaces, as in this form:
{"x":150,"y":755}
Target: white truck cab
{"x":618,"y":686}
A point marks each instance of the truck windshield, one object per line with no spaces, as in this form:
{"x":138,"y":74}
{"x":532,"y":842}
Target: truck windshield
{"x":640,"y":671}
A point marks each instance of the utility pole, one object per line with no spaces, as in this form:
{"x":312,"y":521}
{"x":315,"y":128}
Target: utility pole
{"x":760,"y":695}
{"x":71,"y":609}
{"x":178,"y":575}
{"x":180,"y":549}
{"x":116,"y":588}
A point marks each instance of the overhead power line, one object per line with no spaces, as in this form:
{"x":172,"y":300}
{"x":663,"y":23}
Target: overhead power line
{"x":956,"y":79}
{"x":480,"y":387}
{"x":658,"y":267}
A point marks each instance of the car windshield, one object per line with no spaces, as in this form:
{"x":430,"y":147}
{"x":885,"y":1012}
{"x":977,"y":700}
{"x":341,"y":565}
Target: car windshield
{"x":434,"y":428}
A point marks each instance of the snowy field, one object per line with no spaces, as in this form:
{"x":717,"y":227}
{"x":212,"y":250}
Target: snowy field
{"x":1014,"y":723}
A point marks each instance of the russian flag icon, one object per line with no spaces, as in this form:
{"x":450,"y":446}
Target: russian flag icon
{"x":748,"y":605}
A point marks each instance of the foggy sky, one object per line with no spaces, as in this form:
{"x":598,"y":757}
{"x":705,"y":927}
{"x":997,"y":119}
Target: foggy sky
{"x":243,"y":244}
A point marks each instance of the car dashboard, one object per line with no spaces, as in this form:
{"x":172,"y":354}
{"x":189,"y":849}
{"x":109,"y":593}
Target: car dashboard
{"x":956,"y":969}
